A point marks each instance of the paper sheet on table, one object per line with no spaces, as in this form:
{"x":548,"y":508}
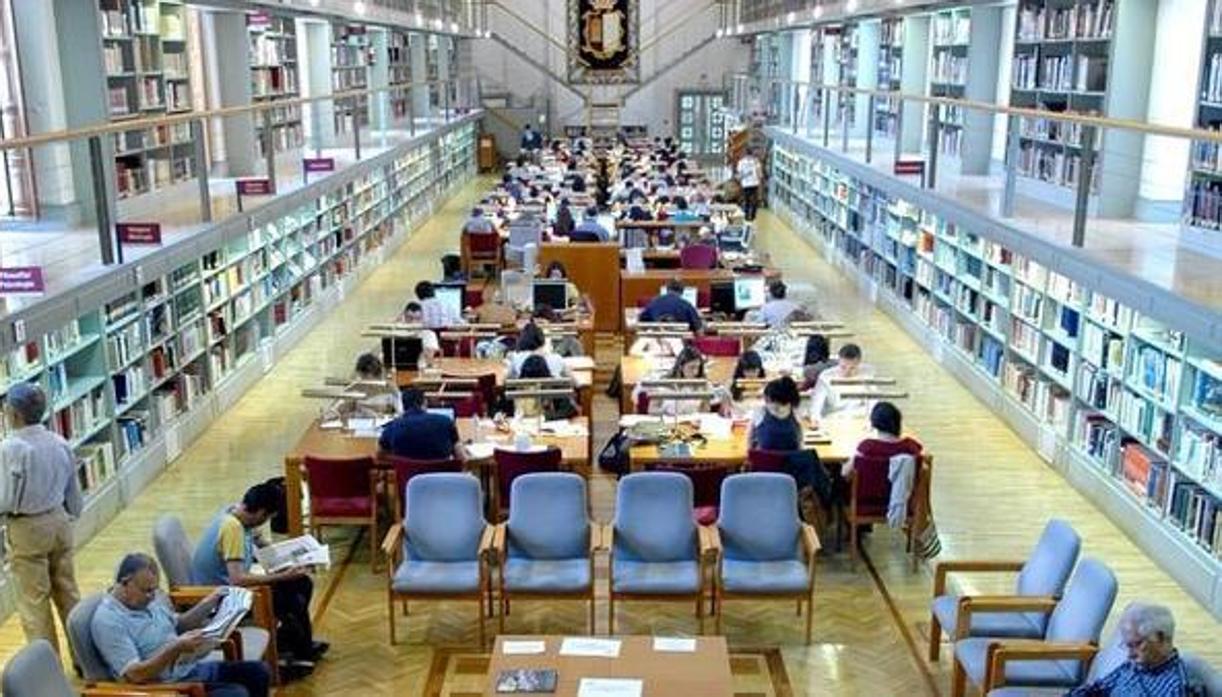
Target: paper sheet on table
{"x":331,"y":425}
{"x":674,"y":645}
{"x":609,"y":687}
{"x":630,"y":420}
{"x":366,"y":433}
{"x":716,"y":427}
{"x":361,"y":424}
{"x":634,"y":260}
{"x":563,"y":428}
{"x":480,"y":451}
{"x":523,"y":648}
{"x":589,"y":646}
{"x":579,"y":363}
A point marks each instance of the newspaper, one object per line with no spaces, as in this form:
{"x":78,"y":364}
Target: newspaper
{"x":299,"y":551}
{"x":233,"y":607}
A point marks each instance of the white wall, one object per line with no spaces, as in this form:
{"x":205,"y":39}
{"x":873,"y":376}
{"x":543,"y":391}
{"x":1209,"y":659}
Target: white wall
{"x":34,"y":23}
{"x":1173,"y":83}
{"x":500,"y":70}
{"x":1005,"y":69}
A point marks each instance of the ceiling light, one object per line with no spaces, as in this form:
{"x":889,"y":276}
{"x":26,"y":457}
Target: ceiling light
{"x":358,"y":7}
{"x":851,"y":6}
{"x":818,"y":12}
{"x":789,"y":18}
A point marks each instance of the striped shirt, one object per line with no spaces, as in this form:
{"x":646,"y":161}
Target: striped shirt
{"x":1167,"y":679}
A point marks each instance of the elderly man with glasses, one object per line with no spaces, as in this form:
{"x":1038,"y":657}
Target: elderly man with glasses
{"x":1154,"y":668}
{"x":143,"y":641}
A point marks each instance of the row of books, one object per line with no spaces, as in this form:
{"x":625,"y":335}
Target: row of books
{"x":95,"y":464}
{"x":76,"y":419}
{"x":134,"y":17}
{"x":1058,"y":167}
{"x":133,"y":430}
{"x":1087,"y":20}
{"x":1143,"y":419}
{"x":274,"y":82}
{"x":19,"y":363}
{"x":1204,"y":207}
{"x":1102,"y":347}
{"x":60,"y":340}
{"x":951,"y":28}
{"x":268,"y":50}
{"x":1207,"y":155}
{"x":1096,"y":388}
{"x":1156,"y":371}
{"x":1098,"y":437}
{"x":1188,"y":505}
{"x":1028,"y":303}
{"x":1025,"y":338}
{"x":129,"y":384}
{"x":1198,"y":453}
{"x":1051,"y":130}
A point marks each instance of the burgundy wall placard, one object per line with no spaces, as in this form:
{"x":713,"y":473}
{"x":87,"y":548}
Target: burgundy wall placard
{"x":139,"y":233}
{"x":318,"y":164}
{"x":22,"y":280}
{"x":255,"y":187}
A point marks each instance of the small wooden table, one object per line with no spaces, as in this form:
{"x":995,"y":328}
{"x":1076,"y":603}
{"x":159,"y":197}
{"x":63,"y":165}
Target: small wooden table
{"x":338,"y":443}
{"x":702,"y":673}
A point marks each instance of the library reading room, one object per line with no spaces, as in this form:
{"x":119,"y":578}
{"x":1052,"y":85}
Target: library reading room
{"x":611,"y":348}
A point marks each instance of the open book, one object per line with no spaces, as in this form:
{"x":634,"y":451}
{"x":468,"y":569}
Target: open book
{"x":299,"y":551}
{"x":229,"y":613}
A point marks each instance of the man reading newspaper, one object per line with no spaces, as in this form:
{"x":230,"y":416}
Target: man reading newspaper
{"x":143,"y":641}
{"x":225,"y":555}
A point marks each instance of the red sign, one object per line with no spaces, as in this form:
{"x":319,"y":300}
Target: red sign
{"x":910,"y":167}
{"x":255,"y":187}
{"x":139,"y":233}
{"x":318,"y":164}
{"x":258,"y":19}
{"x":22,"y":280}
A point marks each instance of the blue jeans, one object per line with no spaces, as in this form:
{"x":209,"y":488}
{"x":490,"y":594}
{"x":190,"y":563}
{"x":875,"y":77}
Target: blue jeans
{"x":232,"y":678}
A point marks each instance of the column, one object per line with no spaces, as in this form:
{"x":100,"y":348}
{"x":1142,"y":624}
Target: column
{"x":233,"y":78}
{"x":913,"y":80}
{"x":982,"y":53}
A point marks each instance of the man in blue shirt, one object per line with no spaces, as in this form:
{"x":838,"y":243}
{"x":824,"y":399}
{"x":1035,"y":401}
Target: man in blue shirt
{"x":670,"y":306}
{"x":590,"y":230}
{"x":1154,"y":668}
{"x":142,"y":641}
{"x":419,"y":434}
{"x":224,"y":556}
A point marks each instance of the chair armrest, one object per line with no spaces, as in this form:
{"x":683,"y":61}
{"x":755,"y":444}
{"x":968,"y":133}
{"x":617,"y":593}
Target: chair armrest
{"x":1000,"y":653}
{"x":499,"y":534}
{"x":970,"y":604}
{"x":231,"y":647}
{"x":187,"y":596}
{"x":596,"y":537}
{"x":950,"y":567}
{"x":710,"y":542}
{"x":487,"y":541}
{"x":190,"y":689}
{"x":608,"y":537}
{"x":394,"y":536}
{"x":810,"y":539}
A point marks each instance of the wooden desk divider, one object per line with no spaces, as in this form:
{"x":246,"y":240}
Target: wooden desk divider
{"x":861,"y":380}
{"x":331,"y":393}
{"x":541,"y":393}
{"x":881,"y":394}
{"x":674,"y":382}
{"x":442,"y":383}
{"x":351,"y":383}
{"x":516,"y":383}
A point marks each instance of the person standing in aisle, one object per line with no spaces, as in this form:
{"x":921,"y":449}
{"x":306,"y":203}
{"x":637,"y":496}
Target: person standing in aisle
{"x":39,"y":498}
{"x":748,"y":171}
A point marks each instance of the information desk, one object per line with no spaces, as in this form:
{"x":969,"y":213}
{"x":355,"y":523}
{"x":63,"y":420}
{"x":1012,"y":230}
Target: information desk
{"x":844,"y":433}
{"x":339,"y":443}
{"x":647,"y":284}
{"x":594,"y":268}
{"x":704,"y":672}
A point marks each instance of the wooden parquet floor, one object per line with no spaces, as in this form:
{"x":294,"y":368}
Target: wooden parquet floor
{"x":992,"y":495}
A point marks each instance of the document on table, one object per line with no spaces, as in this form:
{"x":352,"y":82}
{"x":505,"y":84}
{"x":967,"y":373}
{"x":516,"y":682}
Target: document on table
{"x":609,"y":687}
{"x":589,"y":646}
{"x":523,"y":648}
{"x":663,"y":644}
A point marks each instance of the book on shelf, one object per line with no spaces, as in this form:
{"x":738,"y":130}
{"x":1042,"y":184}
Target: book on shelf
{"x":1137,"y":463}
{"x":117,"y":99}
{"x":1215,"y":19}
{"x":95,"y":464}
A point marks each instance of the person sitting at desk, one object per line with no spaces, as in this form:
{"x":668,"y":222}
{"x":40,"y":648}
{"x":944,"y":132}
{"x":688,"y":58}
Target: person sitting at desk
{"x":420,"y":434}
{"x":590,"y":230}
{"x":557,"y":272}
{"x":550,"y":408}
{"x":143,"y":641}
{"x":413,"y":313}
{"x":777,"y":311}
{"x":816,"y":359}
{"x":671,"y":304}
{"x":777,"y":429}
{"x":681,"y":214}
{"x":381,"y":396}
{"x":477,"y":224}
{"x":688,"y":365}
{"x":224,"y":556}
{"x":564,"y":224}
{"x":511,"y":187}
{"x":750,"y":366}
{"x":532,"y":342}
{"x":494,"y":310}
{"x":435,"y":314}
{"x":825,"y":399}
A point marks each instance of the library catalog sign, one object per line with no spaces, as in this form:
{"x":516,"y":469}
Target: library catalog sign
{"x":604,"y":37}
{"x":22,"y":280}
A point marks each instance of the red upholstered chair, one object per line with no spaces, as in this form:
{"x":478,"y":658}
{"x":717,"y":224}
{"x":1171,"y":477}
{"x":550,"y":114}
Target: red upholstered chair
{"x":870,"y":495}
{"x":706,"y":487}
{"x":473,"y":297}
{"x":511,"y":464}
{"x":727,"y":346}
{"x":767,"y":461}
{"x":486,"y":388}
{"x":698,"y":256}
{"x":642,"y":402}
{"x":343,"y":491}
{"x":404,"y":468}
{"x":704,"y":298}
{"x":482,"y":250}
{"x":642,"y":302}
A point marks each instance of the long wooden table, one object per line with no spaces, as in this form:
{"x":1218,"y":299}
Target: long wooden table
{"x":338,"y":443}
{"x":704,"y":672}
{"x":633,"y":369}
{"x":582,"y":370}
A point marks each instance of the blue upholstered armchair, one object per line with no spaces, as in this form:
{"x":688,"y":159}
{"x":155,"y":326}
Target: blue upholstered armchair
{"x":1069,"y":643}
{"x":440,"y":549}
{"x":656,"y":550}
{"x":546,"y":549}
{"x":764,"y":550}
{"x":1041,"y":579}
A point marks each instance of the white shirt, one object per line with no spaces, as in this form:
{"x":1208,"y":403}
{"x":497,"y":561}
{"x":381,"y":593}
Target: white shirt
{"x":826,"y":399}
{"x":38,"y":473}
{"x":777,"y":312}
{"x":436,"y":314}
{"x":749,"y":171}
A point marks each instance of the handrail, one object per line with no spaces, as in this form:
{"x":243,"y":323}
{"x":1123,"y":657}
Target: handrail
{"x":189,"y":116}
{"x":1068,"y":116}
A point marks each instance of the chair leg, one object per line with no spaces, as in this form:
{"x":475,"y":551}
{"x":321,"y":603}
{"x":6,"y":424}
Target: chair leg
{"x":717,"y":616}
{"x":799,"y":613}
{"x":700,"y":611}
{"x":810,"y":618}
{"x":390,"y":602}
{"x":610,"y":613}
{"x":500,"y":619}
{"x":958,"y":679}
{"x":405,"y":607}
{"x":479,"y":632}
{"x":935,"y":638}
{"x":593,"y":627}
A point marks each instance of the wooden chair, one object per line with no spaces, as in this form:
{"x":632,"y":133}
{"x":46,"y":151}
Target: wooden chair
{"x":343,"y":491}
{"x":511,"y":464}
{"x":403,"y":469}
{"x":870,"y":495}
{"x":481,"y":250}
{"x":724,"y":346}
{"x":706,"y":487}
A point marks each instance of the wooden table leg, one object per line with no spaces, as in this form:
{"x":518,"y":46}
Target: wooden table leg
{"x":292,"y":493}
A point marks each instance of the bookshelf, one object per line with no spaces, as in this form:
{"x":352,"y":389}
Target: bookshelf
{"x":890,"y":69}
{"x":1120,"y":391}
{"x":1203,"y":200}
{"x":399,"y":73}
{"x":139,"y":363}
{"x":274,"y":76}
{"x":846,"y":58}
{"x":948,"y":70}
{"x":1066,"y":54}
{"x":145,"y":65}
{"x":350,"y":59}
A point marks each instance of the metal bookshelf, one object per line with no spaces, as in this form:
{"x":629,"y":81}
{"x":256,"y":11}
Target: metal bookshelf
{"x":948,"y":71}
{"x":1116,"y":383}
{"x":890,"y":69}
{"x":274,"y":76}
{"x":145,"y":65}
{"x":137,"y":363}
{"x":1203,"y":200}
{"x":350,"y":60}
